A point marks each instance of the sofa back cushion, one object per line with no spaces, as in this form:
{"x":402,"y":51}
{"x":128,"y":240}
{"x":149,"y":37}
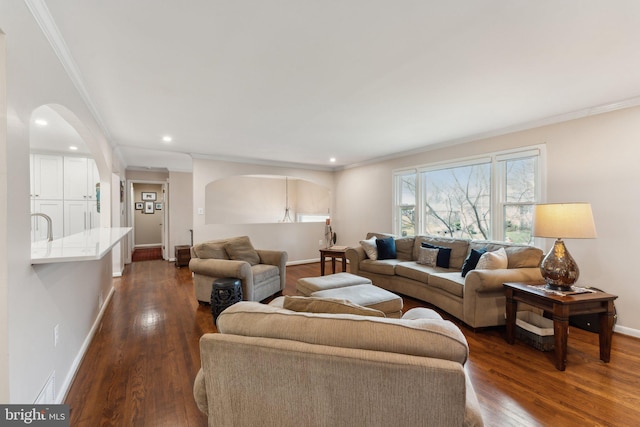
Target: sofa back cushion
{"x":241,"y":249}
{"x":518,"y":255}
{"x":459,"y":248}
{"x":434,"y":338}
{"x":211,"y":250}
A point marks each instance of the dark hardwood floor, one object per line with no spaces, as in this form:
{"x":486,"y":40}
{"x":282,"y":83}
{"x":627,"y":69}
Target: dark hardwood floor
{"x":140,"y":366}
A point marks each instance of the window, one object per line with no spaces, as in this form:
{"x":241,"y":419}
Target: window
{"x":406,"y":204}
{"x":488,"y":198}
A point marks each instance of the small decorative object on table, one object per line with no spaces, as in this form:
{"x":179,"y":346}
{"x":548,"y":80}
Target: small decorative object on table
{"x":329,"y":236}
{"x":225,"y":293}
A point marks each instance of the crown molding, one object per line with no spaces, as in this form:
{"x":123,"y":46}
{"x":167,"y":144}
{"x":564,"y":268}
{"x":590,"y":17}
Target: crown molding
{"x":45,"y":21}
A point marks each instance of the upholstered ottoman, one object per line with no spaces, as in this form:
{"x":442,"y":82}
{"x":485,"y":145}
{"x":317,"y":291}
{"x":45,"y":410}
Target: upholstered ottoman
{"x":308,"y":285}
{"x":367,"y":296}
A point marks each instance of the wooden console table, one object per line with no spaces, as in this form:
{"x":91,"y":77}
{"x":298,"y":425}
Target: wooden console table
{"x":562,"y":307}
{"x":333,"y":253}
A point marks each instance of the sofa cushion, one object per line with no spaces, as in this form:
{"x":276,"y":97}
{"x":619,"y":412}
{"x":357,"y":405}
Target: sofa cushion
{"x":459,"y":248}
{"x":520,"y":256}
{"x":404,"y":248}
{"x":472,"y":260}
{"x":495,"y":260}
{"x":451,"y":282}
{"x":386,"y":266}
{"x":429,"y":256}
{"x":370,"y":247}
{"x":211,"y":250}
{"x":327,"y":305}
{"x":420,"y":337}
{"x":414,"y":271}
{"x":386,"y":248}
{"x":443,"y":257}
{"x":262,"y":272}
{"x":241,"y":249}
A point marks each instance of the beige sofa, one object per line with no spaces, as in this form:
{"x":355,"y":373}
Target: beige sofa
{"x":270,"y":366}
{"x":477,"y":299}
{"x":262,"y":272}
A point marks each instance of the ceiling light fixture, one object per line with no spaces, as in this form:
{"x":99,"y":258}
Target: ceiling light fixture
{"x":73,"y":148}
{"x":332,"y":160}
{"x":167,"y":138}
{"x":41,"y":122}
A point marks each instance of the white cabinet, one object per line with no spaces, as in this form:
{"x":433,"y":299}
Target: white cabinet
{"x":47,"y":177}
{"x":65,"y":188}
{"x":80,"y":178}
{"x":55,"y":210}
{"x":80,"y":216}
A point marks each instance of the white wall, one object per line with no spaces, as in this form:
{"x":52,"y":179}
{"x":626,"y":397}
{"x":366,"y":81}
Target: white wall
{"x":38,"y":298}
{"x":180,"y":210}
{"x":594,"y":159}
{"x":300,"y":240}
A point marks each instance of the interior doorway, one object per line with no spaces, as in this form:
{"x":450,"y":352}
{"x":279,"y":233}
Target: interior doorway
{"x":147,"y":216}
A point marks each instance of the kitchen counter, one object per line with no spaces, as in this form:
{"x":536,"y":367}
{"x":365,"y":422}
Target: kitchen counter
{"x":88,"y":245}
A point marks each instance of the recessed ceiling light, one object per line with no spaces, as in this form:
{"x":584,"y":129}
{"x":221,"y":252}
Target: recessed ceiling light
{"x":167,"y":138}
{"x":41,"y":122}
{"x":332,"y":160}
{"x":73,"y":148}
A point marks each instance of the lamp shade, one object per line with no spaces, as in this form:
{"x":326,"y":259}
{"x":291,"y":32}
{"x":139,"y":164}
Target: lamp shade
{"x":564,"y":221}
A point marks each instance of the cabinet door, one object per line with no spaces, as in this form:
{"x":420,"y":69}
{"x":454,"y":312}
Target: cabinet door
{"x":48,"y":177}
{"x":75,"y":178}
{"x":75,"y":217}
{"x":93,"y":215}
{"x":55,"y":210}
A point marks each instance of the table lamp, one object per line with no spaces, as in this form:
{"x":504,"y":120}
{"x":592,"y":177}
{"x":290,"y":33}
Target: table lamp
{"x":562,"y":220}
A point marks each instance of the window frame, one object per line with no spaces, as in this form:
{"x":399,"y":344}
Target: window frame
{"x":498,"y":161}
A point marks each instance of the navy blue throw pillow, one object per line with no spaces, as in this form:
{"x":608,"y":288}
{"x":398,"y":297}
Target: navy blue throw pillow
{"x":472,"y":260}
{"x":444,"y":254}
{"x":386,"y":248}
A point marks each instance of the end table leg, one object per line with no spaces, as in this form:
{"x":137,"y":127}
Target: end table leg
{"x":333,"y":265}
{"x":561,"y":332}
{"x":511,"y":306}
{"x":344,"y":263}
{"x":321,"y":264}
{"x":606,"y":332}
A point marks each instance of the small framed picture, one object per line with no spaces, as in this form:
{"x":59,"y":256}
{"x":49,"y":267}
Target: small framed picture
{"x":148,"y":207}
{"x":149,"y":196}
{"x":139,"y":206}
{"x":158,"y":206}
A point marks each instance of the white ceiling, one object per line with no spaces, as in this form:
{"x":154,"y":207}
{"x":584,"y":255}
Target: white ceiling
{"x":300,"y":81}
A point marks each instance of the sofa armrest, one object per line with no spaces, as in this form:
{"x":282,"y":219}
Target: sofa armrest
{"x":220,"y":268}
{"x":491,"y":280}
{"x":355,"y":255}
{"x":200,"y":393}
{"x":277,"y":258}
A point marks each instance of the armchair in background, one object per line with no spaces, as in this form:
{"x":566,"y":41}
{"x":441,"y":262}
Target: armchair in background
{"x":262,"y":272}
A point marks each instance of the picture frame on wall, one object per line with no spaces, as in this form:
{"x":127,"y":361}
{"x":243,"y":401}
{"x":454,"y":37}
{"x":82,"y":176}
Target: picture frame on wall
{"x":139,"y":206}
{"x":148,"y":207}
{"x":150,"y":195}
{"x":158,"y":206}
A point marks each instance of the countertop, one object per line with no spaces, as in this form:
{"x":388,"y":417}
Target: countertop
{"x":88,"y":245}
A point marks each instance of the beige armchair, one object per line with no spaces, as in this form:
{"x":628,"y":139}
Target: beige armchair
{"x":262,"y":272}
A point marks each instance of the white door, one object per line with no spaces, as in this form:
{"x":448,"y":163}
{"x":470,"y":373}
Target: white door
{"x":75,"y":217}
{"x":48,"y":177}
{"x":75,"y":178}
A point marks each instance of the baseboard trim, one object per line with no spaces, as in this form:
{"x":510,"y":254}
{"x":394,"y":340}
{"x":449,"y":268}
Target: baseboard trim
{"x":627,"y":331}
{"x":64,"y":390}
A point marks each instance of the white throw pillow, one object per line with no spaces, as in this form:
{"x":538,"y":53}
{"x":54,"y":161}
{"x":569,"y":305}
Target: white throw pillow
{"x":428,"y":256}
{"x":370,"y":248}
{"x":493,"y":260}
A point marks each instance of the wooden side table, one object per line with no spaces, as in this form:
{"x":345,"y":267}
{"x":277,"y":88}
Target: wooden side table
{"x":183,"y":255}
{"x":562,"y":307}
{"x":333,"y":253}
